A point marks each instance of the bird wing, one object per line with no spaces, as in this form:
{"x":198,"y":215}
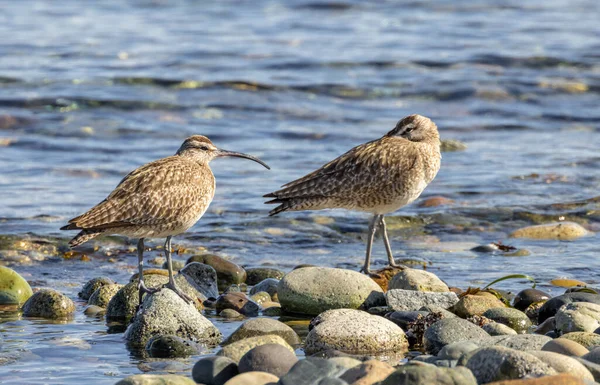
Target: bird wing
{"x":151,"y":194}
{"x":354,"y":173}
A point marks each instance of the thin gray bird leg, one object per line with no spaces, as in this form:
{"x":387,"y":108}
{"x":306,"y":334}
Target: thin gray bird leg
{"x":372,"y":228}
{"x":171,"y":285}
{"x":141,"y":286}
{"x":386,"y":242}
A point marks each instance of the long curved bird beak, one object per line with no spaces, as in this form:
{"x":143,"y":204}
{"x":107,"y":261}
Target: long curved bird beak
{"x":221,"y":153}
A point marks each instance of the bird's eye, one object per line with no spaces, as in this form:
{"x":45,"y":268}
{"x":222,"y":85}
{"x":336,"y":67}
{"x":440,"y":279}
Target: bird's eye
{"x":408,"y":128}
{"x":203,"y":148}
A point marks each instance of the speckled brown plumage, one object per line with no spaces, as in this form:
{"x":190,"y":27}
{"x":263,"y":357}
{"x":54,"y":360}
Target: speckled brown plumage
{"x":160,"y":199}
{"x":378,"y":177}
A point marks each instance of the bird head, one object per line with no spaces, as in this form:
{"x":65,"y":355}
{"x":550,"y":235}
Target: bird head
{"x":202,"y":150}
{"x":416,"y":128}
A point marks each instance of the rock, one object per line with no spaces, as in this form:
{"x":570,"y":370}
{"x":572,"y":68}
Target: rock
{"x":587,"y":339}
{"x":261,"y":297}
{"x":383,"y":276}
{"x":346,"y":362}
{"x":236,"y":350}
{"x":102,"y":296}
{"x":332,"y":381}
{"x":497,"y":363}
{"x":551,"y":306}
{"x":14,"y":289}
{"x":592,"y":367}
{"x":559,"y":379}
{"x":563,"y":231}
{"x":215,"y":370}
{"x":452,"y":145}
{"x":253,"y":378}
{"x":263,"y":326}
{"x":420,"y":280}
{"x":593,"y":356}
{"x":156,"y":379}
{"x":166,"y":313}
{"x":513,"y":318}
{"x":410,"y":300}
{"x":565,"y":347}
{"x":456,"y":350}
{"x":404,"y":318}
{"x":438,"y":309}
{"x":313,"y":290}
{"x":563,"y":364}
{"x":271,"y":358}
{"x":472,"y":305}
{"x":273,"y":311}
{"x":92,"y":285}
{"x":310,"y":370}
{"x":576,"y":317}
{"x":164,"y":346}
{"x":529,"y":296}
{"x":424,"y":374}
{"x":125,"y":302}
{"x":48,"y":303}
{"x":228,"y":273}
{"x":451,"y":330}
{"x":354,"y":331}
{"x":367,"y":373}
{"x":520,"y":342}
{"x":547,"y":326}
{"x":497,"y":329}
{"x":177,"y":265}
{"x":269,"y":285}
{"x":94,"y":311}
{"x":202,"y":278}
{"x":230,"y":313}
{"x":435,"y":201}
{"x":259,"y":274}
{"x":239,"y":302}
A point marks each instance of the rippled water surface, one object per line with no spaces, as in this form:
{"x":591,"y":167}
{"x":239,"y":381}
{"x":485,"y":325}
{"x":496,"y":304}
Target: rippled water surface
{"x":90,"y":91}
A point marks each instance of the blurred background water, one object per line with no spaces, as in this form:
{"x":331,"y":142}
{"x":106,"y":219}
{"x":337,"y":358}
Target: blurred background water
{"x":90,"y":91}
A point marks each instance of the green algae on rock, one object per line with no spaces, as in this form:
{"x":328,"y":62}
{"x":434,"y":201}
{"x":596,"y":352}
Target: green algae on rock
{"x":49,"y":303}
{"x":14,"y":289}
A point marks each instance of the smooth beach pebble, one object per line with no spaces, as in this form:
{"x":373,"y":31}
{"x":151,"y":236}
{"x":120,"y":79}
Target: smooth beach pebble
{"x":263,"y":326}
{"x":472,"y":305}
{"x":253,"y":378}
{"x":420,"y":280}
{"x":560,"y":379}
{"x":563,"y":364}
{"x":102,"y":296}
{"x":313,"y":290}
{"x":564,"y":231}
{"x":230,"y":313}
{"x":259,"y":274}
{"x":550,"y":307}
{"x":92,"y":285}
{"x":526,"y":297}
{"x":166,"y":346}
{"x":214,"y":370}
{"x":269,"y":285}
{"x":239,"y":302}
{"x":577,"y":317}
{"x":156,"y":379}
{"x":513,"y":318}
{"x":565,"y":347}
{"x":587,"y":339}
{"x":310,"y":371}
{"x":201,"y":277}
{"x":423,"y":374}
{"x":497,"y":329}
{"x":271,"y":358}
{"x":520,"y":341}
{"x":367,"y":373}
{"x":14,"y":289}
{"x":48,"y":303}
{"x":228,"y":273}
{"x":236,"y":350}
{"x":449,"y":330}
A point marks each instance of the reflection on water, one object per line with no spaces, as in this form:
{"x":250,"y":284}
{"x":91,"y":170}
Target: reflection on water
{"x":88,"y":93}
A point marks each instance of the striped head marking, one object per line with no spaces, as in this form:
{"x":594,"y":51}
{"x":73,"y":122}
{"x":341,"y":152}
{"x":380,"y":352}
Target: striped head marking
{"x":202,"y":150}
{"x":416,"y":128}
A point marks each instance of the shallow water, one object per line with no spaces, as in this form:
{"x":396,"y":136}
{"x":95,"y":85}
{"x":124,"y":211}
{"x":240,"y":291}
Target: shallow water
{"x":88,"y":93}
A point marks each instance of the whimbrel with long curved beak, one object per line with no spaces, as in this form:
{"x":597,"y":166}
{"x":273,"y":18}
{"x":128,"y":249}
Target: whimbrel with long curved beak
{"x":160,"y":199}
{"x":378,"y":177}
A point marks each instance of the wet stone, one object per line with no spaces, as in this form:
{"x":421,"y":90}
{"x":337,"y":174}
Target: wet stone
{"x":564,"y":231}
{"x":238,"y":302}
{"x":259,"y":274}
{"x":230,"y":314}
{"x":263,"y":326}
{"x":526,"y":297}
{"x":410,"y":300}
{"x":310,"y":371}
{"x":92,"y":285}
{"x":274,"y":311}
{"x":228,"y":273}
{"x":449,"y":330}
{"x":236,"y":350}
{"x":156,"y":379}
{"x":550,"y":307}
{"x":419,"y":280}
{"x":513,"y":318}
{"x":215,"y":370}
{"x":203,"y":278}
{"x":166,"y":313}
{"x":102,"y":296}
{"x":261,"y":297}
{"x":313,"y":290}
{"x":94,"y":311}
{"x":268,"y":285}
{"x":166,"y":346}
{"x":125,"y":302}
{"x":271,"y":358}
{"x":474,"y":305}
{"x":14,"y":289}
{"x":48,"y":303}
{"x":423,"y":374}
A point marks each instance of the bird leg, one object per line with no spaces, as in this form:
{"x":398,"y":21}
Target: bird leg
{"x":141,"y":286}
{"x":372,"y":228}
{"x":386,"y":242}
{"x":171,"y":285}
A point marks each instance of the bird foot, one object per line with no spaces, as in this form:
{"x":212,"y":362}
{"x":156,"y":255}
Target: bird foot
{"x":365,"y":269}
{"x":180,"y":293}
{"x":143,"y":289}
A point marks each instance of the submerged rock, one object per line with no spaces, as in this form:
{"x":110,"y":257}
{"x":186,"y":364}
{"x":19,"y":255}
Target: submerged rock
{"x":92,"y":285}
{"x":564,"y":231}
{"x":156,"y":379}
{"x":263,"y":326}
{"x":167,"y":346}
{"x":14,"y":289}
{"x":48,"y":303}
{"x":166,"y":313}
{"x":228,"y":273}
{"x":313,"y":290}
{"x":102,"y":296}
{"x":356,"y":332}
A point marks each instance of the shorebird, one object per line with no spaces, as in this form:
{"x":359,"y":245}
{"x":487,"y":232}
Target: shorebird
{"x":157,"y":200}
{"x":377,"y":177}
